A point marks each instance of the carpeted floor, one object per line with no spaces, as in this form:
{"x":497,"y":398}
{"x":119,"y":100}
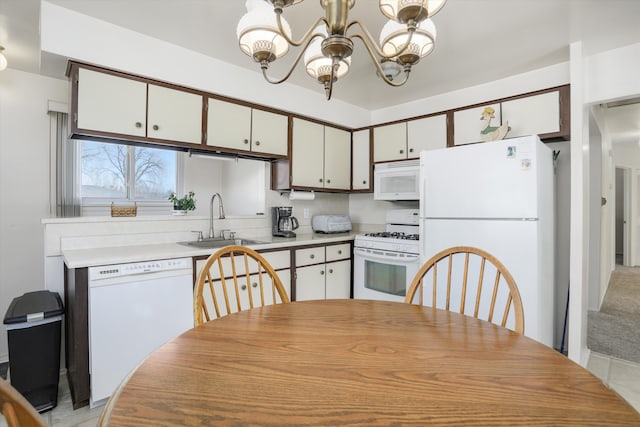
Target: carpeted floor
{"x":615,"y":329}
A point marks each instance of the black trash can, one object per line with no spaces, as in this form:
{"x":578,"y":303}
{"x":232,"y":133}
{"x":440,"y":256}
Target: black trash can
{"x":33,"y":323}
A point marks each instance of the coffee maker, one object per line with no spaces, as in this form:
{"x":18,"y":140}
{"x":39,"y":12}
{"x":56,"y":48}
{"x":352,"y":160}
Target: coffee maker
{"x":282,"y":222}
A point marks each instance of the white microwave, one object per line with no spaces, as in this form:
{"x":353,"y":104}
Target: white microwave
{"x":397,"y":180}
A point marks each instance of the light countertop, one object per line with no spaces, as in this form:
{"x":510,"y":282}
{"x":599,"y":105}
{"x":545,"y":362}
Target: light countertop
{"x":79,"y":258}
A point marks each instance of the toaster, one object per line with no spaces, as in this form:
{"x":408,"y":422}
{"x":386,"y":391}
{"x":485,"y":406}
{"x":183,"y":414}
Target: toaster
{"x":331,"y":223}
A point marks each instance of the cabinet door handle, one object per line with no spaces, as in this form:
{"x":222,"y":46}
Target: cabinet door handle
{"x":320,"y":180}
{"x":312,"y":256}
{"x":257,"y":142}
{"x":401,"y":151}
{"x":322,"y":272}
{"x":328,"y":181}
{"x":331,"y":271}
{"x":339,"y":251}
{"x":156,"y":127}
{"x":243,"y":287}
{"x":364,"y":182}
{"x":138,"y":124}
{"x":246,"y":141}
{"x":411,"y":150}
{"x":254,"y":285}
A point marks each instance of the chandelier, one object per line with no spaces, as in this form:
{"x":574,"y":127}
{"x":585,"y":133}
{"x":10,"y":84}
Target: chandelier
{"x":408,"y":36}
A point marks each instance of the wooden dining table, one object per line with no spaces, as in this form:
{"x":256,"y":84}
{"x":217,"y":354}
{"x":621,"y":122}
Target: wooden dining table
{"x":360,"y":362}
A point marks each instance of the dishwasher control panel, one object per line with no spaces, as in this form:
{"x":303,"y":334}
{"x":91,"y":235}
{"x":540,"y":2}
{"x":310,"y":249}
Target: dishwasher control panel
{"x":133,"y":268}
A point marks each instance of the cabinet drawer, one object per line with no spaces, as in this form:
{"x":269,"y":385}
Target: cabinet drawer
{"x":310,"y":256}
{"x":278,"y":260}
{"x":336,"y":252}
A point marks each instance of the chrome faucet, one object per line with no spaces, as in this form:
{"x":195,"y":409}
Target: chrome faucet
{"x":220,"y":213}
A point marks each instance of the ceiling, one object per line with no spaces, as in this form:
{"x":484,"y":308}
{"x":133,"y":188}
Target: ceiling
{"x":478,"y":41}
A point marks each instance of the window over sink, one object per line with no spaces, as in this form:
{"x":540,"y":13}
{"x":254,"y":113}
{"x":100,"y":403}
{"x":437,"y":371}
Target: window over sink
{"x":90,"y":175}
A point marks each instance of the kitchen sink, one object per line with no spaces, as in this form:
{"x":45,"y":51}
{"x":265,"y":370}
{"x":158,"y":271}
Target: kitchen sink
{"x":218,"y":243}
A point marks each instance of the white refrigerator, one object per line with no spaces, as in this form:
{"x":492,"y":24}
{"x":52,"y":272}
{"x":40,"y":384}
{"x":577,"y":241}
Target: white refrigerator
{"x":497,"y":196}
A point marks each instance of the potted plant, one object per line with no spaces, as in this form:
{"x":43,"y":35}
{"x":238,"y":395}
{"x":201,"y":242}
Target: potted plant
{"x":184,"y":204}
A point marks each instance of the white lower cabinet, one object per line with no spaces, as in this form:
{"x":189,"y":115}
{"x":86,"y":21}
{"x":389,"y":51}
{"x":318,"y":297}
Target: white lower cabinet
{"x":253,"y":286}
{"x":279,"y":260}
{"x":323,"y":272}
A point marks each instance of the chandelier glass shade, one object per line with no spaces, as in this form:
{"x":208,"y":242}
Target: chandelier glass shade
{"x":326,"y":47}
{"x":258,"y":32}
{"x":318,"y":65}
{"x":3,"y":60}
{"x":394,"y":35}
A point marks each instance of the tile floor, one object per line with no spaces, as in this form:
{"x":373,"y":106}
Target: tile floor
{"x":63,"y":415}
{"x":620,"y":375}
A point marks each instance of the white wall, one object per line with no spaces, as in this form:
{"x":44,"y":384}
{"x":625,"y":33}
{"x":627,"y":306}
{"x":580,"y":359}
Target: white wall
{"x":24,"y":182}
{"x":595,"y":213}
{"x":613,"y":74}
{"x":607,"y":187}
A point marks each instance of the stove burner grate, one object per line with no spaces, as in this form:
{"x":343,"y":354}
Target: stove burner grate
{"x":394,"y":235}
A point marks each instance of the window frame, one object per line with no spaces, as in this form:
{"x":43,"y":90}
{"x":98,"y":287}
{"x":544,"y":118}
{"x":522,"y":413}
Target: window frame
{"x":97,"y":204}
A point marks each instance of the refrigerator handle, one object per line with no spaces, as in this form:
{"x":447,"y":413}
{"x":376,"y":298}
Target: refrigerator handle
{"x":423,"y":184}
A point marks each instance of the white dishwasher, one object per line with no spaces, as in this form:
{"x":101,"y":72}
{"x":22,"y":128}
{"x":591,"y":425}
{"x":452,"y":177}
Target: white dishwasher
{"x":133,"y":309}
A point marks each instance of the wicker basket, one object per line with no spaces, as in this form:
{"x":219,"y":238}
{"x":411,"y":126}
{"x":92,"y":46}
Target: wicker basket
{"x":124,"y":210}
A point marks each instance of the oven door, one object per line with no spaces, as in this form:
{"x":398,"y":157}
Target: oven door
{"x":383,"y":275}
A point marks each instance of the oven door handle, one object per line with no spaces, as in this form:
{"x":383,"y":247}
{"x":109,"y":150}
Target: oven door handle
{"x":407,"y":259}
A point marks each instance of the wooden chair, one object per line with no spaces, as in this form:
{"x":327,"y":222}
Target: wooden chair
{"x":233,"y":279}
{"x":17,"y":410}
{"x":476,"y":268}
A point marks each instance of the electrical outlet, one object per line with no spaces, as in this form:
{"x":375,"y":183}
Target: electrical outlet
{"x":306,"y":213}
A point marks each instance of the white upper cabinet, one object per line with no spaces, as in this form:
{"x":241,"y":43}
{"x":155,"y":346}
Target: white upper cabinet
{"x":118,"y":105}
{"x":537,"y":114}
{"x":112,"y":104}
{"x":468,"y":124}
{"x":390,"y":142}
{"x":174,"y":115}
{"x":269,"y":132}
{"x":361,"y":162}
{"x":321,"y":156}
{"x":405,"y":140}
{"x":429,"y":133}
{"x":337,"y":158}
{"x":228,"y":125}
{"x":239,"y":127}
{"x":307,"y":164}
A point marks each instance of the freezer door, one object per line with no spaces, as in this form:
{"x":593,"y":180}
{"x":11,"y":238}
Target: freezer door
{"x":489,"y":180}
{"x":516,"y":245}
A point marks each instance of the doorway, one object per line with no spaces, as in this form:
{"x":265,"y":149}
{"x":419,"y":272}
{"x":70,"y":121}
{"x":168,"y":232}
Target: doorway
{"x":622,"y":238}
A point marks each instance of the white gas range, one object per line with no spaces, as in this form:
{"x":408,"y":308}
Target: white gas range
{"x":386,"y":262}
